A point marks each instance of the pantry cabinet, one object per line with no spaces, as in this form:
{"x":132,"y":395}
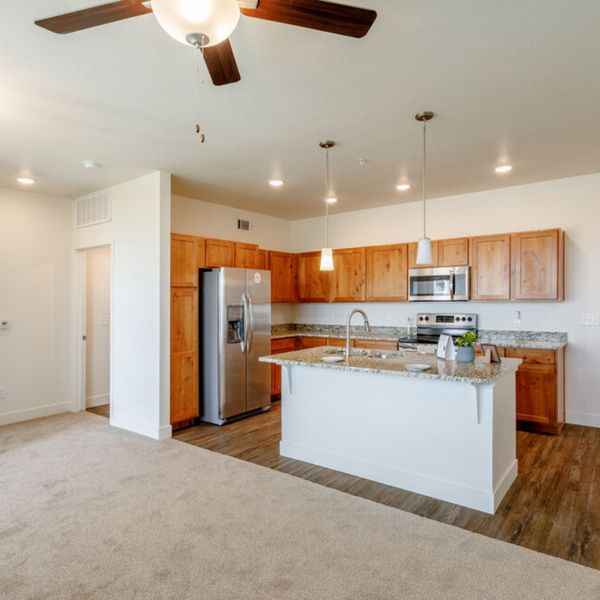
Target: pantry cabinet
{"x":348,"y":281}
{"x":313,"y":284}
{"x":387,"y":273}
{"x":490,"y":267}
{"x":538,"y":265}
{"x":220,"y":253}
{"x":184,"y":261}
{"x":283,"y":276}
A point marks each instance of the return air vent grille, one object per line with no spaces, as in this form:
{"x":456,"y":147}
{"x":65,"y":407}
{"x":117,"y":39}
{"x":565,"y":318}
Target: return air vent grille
{"x":244,"y":225}
{"x":94,"y":210}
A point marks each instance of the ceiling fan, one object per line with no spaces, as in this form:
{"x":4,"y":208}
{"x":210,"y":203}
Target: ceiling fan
{"x":207,"y":24}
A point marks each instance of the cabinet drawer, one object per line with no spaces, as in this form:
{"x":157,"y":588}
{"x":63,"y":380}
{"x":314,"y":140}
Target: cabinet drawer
{"x":312,"y":342}
{"x":532,"y":356}
{"x":375,"y":345}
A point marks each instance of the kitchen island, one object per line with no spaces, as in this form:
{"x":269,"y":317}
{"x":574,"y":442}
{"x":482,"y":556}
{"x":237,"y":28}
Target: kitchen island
{"x":448,"y":432}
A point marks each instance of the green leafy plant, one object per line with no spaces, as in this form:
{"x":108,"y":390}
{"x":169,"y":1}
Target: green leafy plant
{"x":467,"y":340}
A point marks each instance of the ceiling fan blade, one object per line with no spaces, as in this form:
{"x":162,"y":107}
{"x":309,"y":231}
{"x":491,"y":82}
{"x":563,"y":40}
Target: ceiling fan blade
{"x":316,"y":14}
{"x":221,"y":64}
{"x":92,"y":17}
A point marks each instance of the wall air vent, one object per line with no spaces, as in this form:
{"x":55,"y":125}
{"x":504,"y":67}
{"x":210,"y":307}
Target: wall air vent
{"x":93,"y":210}
{"x":244,"y":225}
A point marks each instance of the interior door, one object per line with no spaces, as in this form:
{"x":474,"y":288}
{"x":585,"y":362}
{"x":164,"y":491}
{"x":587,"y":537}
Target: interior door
{"x":259,"y":343}
{"x":232,"y":359}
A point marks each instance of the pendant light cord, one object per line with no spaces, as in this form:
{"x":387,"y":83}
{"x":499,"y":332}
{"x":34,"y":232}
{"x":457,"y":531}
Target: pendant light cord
{"x":424,"y":178}
{"x":327,"y":197}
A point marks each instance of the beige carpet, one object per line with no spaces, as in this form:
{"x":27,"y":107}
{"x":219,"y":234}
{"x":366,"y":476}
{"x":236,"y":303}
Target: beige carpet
{"x":88,"y":511}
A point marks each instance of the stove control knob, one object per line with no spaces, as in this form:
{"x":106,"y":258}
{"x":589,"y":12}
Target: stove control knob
{"x":470,"y":319}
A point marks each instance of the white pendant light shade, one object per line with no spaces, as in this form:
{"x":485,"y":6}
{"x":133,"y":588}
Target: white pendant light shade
{"x":203,"y":22}
{"x":424,"y":256}
{"x":326,"y":259}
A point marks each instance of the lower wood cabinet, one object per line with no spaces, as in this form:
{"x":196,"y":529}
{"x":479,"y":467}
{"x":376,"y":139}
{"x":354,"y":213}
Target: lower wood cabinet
{"x":279,"y":347}
{"x":375,"y":345}
{"x":184,"y":354}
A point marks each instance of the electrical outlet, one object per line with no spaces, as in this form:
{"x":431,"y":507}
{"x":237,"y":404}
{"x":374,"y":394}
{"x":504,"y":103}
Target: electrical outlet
{"x":517,"y":317}
{"x":590,"y":320}
{"x":103,"y":321}
{"x":2,"y":392}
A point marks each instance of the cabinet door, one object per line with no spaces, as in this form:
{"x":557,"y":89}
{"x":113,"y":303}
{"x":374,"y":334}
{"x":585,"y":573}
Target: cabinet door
{"x":184,"y":268}
{"x":246,"y":256}
{"x":262,"y":261}
{"x":375,"y":344}
{"x":453,"y":253}
{"x":490,"y":267}
{"x":537,"y":265}
{"x":279,"y":347}
{"x":283,"y":276}
{"x":412,"y":255}
{"x":313,"y":284}
{"x":536,"y":394}
{"x":387,"y":273}
{"x":348,"y":280}
{"x":312,"y":342}
{"x":184,"y":354}
{"x":220,"y":253}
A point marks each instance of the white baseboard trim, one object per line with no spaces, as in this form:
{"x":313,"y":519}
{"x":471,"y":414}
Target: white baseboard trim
{"x":47,"y":410}
{"x":147,"y":429}
{"x":99,"y":400}
{"x":582,"y":418}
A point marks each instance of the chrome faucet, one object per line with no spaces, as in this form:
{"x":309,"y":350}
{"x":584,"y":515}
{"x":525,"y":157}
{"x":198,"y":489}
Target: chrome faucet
{"x":348,"y":320}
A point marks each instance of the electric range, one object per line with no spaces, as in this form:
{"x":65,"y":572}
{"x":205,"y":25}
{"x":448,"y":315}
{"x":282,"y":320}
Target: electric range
{"x":431,"y":325}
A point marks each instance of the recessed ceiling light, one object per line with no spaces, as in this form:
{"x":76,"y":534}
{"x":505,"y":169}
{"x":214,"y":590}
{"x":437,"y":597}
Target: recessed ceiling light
{"x":504,"y":169}
{"x":403,"y":187}
{"x":25,"y":180}
{"x":331,"y":200}
{"x":90,"y":164}
{"x":275,"y":182}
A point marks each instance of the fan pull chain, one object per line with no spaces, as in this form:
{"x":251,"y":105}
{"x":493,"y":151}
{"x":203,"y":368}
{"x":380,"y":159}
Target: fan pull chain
{"x":200,"y":94}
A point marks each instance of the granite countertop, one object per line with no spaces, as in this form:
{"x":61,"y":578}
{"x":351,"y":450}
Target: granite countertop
{"x":543,"y":340}
{"x":395,"y":364}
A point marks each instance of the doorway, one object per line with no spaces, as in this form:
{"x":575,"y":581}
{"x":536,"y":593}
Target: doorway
{"x":96,"y":267}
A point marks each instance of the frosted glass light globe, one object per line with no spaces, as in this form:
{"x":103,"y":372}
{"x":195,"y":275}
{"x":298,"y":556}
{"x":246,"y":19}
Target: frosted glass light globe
{"x":214,"y":19}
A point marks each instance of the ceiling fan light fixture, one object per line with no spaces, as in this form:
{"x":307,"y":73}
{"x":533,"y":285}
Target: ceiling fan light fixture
{"x":201,"y":23}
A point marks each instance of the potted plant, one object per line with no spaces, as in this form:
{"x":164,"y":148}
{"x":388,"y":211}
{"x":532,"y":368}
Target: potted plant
{"x":464,"y":347}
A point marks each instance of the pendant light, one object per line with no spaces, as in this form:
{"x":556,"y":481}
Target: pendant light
{"x":424,"y":255}
{"x":327,"y":252}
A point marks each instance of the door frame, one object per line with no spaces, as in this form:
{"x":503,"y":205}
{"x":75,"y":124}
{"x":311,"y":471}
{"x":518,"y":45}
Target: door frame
{"x":80,"y":331}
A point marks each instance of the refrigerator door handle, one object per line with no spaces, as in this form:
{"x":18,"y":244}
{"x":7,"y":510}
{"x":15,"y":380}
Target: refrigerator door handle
{"x":251,"y":327}
{"x":243,"y":343}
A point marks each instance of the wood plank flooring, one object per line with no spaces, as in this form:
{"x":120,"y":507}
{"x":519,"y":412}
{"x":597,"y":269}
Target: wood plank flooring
{"x":553,"y":506}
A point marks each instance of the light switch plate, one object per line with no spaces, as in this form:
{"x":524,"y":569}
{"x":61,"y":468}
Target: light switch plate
{"x":2,"y":392}
{"x":3,"y":324}
{"x":103,"y":321}
{"x":590,"y":320}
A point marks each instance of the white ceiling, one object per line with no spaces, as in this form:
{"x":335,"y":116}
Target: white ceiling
{"x":510,"y":80}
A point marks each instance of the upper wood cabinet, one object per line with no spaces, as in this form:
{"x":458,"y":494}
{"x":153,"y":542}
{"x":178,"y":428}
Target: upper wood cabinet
{"x":184,"y":262}
{"x":387,"y":273}
{"x":538,"y":265}
{"x":453,"y":252}
{"x":220,"y":253}
{"x":262,"y":260}
{"x":283,"y":276}
{"x":348,"y":281}
{"x":246,"y":256}
{"x":490,"y":267}
{"x":313,"y":284}
{"x":412,"y":255}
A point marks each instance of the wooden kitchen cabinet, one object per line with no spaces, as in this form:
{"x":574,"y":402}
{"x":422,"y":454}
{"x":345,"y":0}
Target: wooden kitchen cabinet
{"x":537,"y":259}
{"x":412,"y":255}
{"x":313,"y":284}
{"x":348,"y":280}
{"x":184,"y":262}
{"x":246,"y":256}
{"x":375,"y":344}
{"x":280,"y":346}
{"x":283,"y":276}
{"x":490,"y":267}
{"x":220,"y":253}
{"x":312,"y":342}
{"x":453,"y":252}
{"x":184,"y":354}
{"x":262,"y":260}
{"x":540,"y":389}
{"x":387,"y":273}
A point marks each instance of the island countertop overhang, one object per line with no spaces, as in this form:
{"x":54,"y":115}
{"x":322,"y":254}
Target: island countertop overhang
{"x":476,"y":373}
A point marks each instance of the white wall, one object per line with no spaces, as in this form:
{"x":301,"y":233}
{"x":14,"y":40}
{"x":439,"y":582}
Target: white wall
{"x":195,"y":217}
{"x":97,"y":331}
{"x":139,"y":234}
{"x":34,"y":297}
{"x":572,"y":204}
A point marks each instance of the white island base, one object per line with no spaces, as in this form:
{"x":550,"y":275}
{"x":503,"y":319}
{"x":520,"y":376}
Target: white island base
{"x":451,"y":440}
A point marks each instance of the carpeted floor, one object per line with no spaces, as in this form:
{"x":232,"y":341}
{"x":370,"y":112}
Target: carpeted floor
{"x":89,"y":511}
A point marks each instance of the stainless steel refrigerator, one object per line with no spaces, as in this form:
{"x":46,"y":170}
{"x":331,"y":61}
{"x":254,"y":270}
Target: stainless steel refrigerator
{"x":236,"y":331}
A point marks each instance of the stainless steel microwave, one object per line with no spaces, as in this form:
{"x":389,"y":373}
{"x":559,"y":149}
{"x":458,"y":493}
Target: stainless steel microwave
{"x":444,"y":284}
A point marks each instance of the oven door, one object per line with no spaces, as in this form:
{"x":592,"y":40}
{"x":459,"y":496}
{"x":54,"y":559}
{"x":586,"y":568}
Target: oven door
{"x":447,"y":284}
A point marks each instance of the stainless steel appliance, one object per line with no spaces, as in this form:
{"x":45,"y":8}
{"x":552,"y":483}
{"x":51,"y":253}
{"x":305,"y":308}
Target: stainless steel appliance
{"x":431,"y":325}
{"x":236,"y":331}
{"x":447,"y":284}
